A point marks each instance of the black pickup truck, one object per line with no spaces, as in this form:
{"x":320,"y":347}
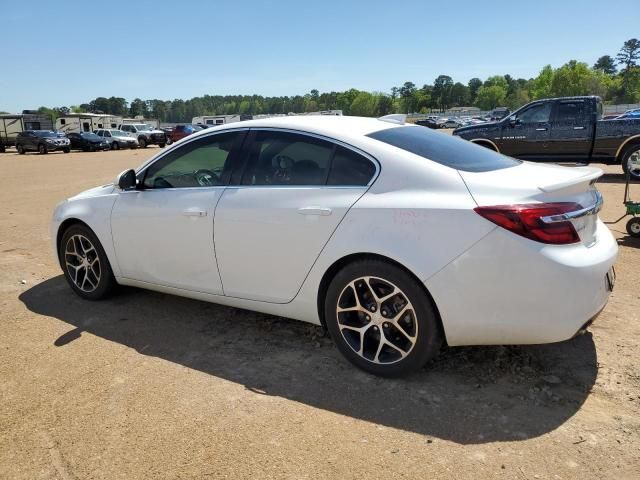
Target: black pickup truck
{"x":567,"y":129}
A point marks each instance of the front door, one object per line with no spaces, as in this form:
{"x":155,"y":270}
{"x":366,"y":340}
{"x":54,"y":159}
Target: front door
{"x":525,"y":134}
{"x":271,"y":226}
{"x":163,"y":232}
{"x":572,"y":130}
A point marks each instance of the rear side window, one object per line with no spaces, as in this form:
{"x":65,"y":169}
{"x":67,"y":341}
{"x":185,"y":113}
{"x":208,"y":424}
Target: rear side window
{"x":350,"y":168}
{"x":570,"y":112}
{"x":444,"y":149}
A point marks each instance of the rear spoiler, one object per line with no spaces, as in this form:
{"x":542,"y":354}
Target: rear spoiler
{"x":590,"y":176}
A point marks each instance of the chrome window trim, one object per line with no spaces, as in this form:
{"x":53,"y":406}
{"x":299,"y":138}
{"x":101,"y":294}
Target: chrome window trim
{"x":368,"y":156}
{"x":595,"y":208}
{"x":332,"y":140}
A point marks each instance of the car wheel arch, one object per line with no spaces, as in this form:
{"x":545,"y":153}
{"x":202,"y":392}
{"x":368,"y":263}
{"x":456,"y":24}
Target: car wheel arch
{"x":342,"y":262}
{"x":486,"y":143}
{"x":64,"y":226}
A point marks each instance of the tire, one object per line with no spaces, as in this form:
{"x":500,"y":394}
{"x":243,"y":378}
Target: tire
{"x":115,"y":146}
{"x":169,"y":141}
{"x":20,"y":149}
{"x":42,"y":149}
{"x":412,"y":338}
{"x":631,"y":157}
{"x":2,"y":148}
{"x":66,"y":150}
{"x":142,"y":142}
{"x":84,"y":263}
{"x":633,"y":227}
{"x":161,"y":145}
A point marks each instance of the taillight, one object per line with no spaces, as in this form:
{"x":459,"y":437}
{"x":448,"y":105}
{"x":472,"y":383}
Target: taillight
{"x":526,"y":220}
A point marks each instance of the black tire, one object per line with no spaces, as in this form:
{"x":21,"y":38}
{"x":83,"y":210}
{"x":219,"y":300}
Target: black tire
{"x":42,"y":149}
{"x":20,"y":149}
{"x":142,"y":142}
{"x":633,"y":227}
{"x":169,"y":141}
{"x":105,"y":283}
{"x":424,"y":321}
{"x":161,"y":145}
{"x":115,"y":146}
{"x":2,"y":148}
{"x":634,"y":174}
{"x":66,"y":150}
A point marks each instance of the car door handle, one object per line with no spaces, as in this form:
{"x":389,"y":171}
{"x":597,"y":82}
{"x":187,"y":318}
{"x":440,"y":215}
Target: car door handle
{"x":314,"y":211}
{"x":578,"y":128}
{"x":195,"y":213}
{"x":543,"y":129}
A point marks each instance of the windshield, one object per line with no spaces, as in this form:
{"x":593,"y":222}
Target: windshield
{"x":444,"y":149}
{"x":117,"y":133}
{"x":90,"y":136}
{"x":45,"y":133}
{"x":143,"y":127}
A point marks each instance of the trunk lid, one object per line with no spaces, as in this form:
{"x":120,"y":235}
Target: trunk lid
{"x":530,"y":183}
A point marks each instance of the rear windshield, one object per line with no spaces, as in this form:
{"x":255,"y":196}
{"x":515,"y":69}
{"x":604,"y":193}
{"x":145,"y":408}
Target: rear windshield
{"x":444,"y":149}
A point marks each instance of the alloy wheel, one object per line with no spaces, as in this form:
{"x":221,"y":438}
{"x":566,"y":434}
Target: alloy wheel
{"x":633,"y":163}
{"x":82,"y":263}
{"x":377,"y":320}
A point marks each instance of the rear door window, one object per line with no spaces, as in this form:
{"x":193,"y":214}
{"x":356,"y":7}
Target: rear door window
{"x":444,"y":149}
{"x":570,"y":112}
{"x":349,"y":168}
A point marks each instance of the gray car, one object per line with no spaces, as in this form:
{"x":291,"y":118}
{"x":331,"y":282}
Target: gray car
{"x":117,"y":139}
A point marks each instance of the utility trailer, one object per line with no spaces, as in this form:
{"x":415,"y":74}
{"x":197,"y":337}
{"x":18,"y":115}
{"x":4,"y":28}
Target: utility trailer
{"x":12,"y":124}
{"x":86,"y":122}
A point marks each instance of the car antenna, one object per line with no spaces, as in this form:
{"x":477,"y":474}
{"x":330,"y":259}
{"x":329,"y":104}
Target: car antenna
{"x":399,"y":118}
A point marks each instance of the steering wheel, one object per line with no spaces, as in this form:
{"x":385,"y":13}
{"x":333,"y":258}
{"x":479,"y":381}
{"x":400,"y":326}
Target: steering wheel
{"x":206,"y":178}
{"x":283,"y":168}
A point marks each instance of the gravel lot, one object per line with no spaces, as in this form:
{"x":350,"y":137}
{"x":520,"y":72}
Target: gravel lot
{"x":147,"y":385}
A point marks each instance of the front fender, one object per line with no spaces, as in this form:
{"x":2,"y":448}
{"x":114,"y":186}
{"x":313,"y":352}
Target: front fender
{"x":95,"y":212}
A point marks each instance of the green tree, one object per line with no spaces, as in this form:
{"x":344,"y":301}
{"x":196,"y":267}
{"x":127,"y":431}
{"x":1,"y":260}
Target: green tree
{"x":407,"y":94}
{"x":474,"y":84}
{"x":491,"y":97}
{"x":575,"y":78}
{"x":541,"y":87}
{"x":139,"y":107}
{"x":606,"y":64}
{"x":629,"y":54}
{"x":460,"y":95}
{"x":364,"y":105}
{"x":441,"y":93}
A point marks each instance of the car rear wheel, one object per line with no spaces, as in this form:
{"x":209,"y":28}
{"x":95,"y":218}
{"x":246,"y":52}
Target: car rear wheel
{"x":66,"y":150}
{"x":142,"y":142}
{"x":20,"y":149}
{"x":161,"y":145}
{"x":84,"y":263}
{"x":381,"y":319}
{"x":115,"y":146}
{"x":631,"y":161}
{"x":42,"y":149}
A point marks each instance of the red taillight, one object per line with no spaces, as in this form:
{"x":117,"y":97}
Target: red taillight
{"x":526,"y":220}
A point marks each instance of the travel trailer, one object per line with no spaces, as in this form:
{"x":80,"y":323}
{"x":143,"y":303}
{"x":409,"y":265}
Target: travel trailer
{"x":213,"y":120}
{"x":86,"y":122}
{"x":140,"y":119}
{"x":12,"y":124}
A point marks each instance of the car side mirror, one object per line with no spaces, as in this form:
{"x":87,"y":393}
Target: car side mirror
{"x":127,"y":180}
{"x":514,"y":121}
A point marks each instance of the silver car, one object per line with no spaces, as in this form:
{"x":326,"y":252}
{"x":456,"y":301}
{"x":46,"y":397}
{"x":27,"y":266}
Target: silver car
{"x":117,"y":139}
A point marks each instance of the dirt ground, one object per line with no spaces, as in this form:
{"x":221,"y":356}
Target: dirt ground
{"x":147,"y":385}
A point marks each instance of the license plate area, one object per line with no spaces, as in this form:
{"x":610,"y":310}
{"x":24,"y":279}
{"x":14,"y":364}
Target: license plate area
{"x":610,"y":279}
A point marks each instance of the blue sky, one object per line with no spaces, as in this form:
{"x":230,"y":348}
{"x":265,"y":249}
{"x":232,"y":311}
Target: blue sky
{"x":66,"y":52}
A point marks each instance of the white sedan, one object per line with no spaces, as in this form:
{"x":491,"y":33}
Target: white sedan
{"x":395,"y":237}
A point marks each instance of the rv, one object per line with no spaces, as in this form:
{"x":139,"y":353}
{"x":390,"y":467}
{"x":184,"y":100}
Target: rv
{"x":140,"y":119}
{"x":12,"y":124}
{"x":213,"y":120}
{"x":86,"y":122}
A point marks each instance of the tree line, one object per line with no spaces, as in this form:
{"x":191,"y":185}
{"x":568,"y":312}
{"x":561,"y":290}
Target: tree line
{"x":615,"y":79}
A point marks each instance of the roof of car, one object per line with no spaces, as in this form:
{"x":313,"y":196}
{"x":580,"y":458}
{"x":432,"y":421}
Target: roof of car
{"x":328,"y":125}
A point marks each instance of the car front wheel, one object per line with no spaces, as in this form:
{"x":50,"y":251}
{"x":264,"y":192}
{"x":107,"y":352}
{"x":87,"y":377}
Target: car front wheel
{"x":142,"y":142}
{"x":381,"y":319}
{"x":20,"y":149}
{"x":84,"y":263}
{"x":631,"y":161}
{"x":42,"y":149}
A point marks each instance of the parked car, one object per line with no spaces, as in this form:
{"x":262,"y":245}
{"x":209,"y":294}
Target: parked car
{"x":88,"y":142}
{"x":181,"y":131}
{"x":145,"y":134}
{"x":117,"y":139}
{"x":428,"y":122}
{"x":562,"y":129}
{"x":42,"y":141}
{"x":448,"y":123}
{"x":499,"y":113}
{"x":475,"y":248}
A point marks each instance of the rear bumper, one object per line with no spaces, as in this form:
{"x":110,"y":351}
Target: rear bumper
{"x":510,"y":290}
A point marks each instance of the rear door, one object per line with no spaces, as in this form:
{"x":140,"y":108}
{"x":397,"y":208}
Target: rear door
{"x":527,"y":134}
{"x":273,"y":223}
{"x":571,"y":130}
